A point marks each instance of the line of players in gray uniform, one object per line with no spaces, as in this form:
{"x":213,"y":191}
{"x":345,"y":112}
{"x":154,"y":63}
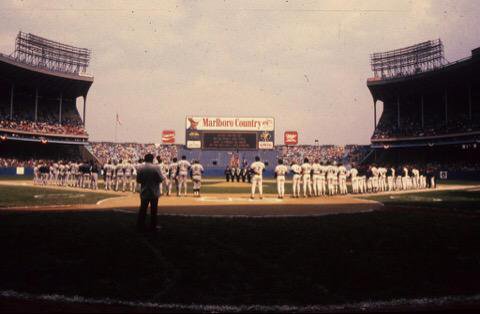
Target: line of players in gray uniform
{"x":324,"y":178}
{"x":176,"y":173}
{"x":122,"y":176}
{"x":64,"y":173}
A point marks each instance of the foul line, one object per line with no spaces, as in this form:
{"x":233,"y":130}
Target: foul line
{"x":363,"y":306}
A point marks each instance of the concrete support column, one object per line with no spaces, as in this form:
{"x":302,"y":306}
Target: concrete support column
{"x":470,"y":101}
{"x":12,"y":90}
{"x":84,"y":108}
{"x":446,"y":106}
{"x":423,"y":119}
{"x":374,"y":114}
{"x":60,"y":103}
{"x":398,"y":111}
{"x":36,"y":104}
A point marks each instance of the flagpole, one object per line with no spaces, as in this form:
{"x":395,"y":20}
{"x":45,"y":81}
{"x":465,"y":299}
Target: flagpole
{"x":116,"y":123}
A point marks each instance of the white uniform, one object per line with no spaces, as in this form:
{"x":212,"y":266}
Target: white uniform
{"x":342,"y":179}
{"x":316,"y":178}
{"x":128,"y":169}
{"x":164,"y":171}
{"x":354,"y":179}
{"x":134,"y":176}
{"x":405,"y":179}
{"x":374,"y":179}
{"x":391,"y":180}
{"x":183,"y":167}
{"x":416,"y":178}
{"x":108,"y":169}
{"x":119,"y":171}
{"x":330,"y":179}
{"x":281,"y":171}
{"x":257,"y":179}
{"x":36,"y":175}
{"x":197,"y":170}
{"x":323,"y":179}
{"x":382,"y":179}
{"x":172,"y":175}
{"x":296,"y":180}
{"x":306,"y":175}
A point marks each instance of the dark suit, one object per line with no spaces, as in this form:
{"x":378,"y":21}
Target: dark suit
{"x":149,"y":177}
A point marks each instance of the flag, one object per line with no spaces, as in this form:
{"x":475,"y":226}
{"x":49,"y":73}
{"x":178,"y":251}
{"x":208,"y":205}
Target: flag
{"x":118,"y":120}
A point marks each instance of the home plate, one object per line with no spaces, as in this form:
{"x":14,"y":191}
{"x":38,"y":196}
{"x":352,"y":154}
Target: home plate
{"x":218,"y":199}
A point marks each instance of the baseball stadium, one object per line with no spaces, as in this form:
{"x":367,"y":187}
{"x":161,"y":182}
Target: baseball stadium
{"x":260,"y":225}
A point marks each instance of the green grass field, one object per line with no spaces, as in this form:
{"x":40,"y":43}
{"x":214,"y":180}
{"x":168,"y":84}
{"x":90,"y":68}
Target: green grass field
{"x":332,"y":259}
{"x":450,"y":199}
{"x":37,"y":196}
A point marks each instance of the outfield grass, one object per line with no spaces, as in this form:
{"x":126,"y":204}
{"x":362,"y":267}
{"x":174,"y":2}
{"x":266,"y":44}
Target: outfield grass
{"x":449,"y":199}
{"x":323,"y":260}
{"x":11,"y":196}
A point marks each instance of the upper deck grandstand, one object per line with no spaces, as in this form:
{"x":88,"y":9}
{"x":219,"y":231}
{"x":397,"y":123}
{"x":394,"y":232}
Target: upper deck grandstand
{"x":426,"y":101}
{"x":40,"y":83}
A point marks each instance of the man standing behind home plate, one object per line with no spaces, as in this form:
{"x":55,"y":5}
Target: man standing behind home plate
{"x":149,"y":177}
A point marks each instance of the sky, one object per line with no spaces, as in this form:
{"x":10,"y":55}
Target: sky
{"x":305,"y":63}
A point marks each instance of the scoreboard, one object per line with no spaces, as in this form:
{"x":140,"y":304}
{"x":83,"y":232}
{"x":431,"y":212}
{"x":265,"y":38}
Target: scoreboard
{"x":229,"y":140}
{"x":227,"y":133}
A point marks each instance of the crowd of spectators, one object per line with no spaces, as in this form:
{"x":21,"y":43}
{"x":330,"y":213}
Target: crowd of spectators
{"x":321,"y":152}
{"x":105,"y":151}
{"x":355,"y":154}
{"x":411,"y":126}
{"x":14,"y":162}
{"x":46,"y":123}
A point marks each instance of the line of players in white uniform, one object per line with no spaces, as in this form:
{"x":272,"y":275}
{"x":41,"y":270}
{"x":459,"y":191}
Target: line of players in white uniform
{"x":63,"y":173}
{"x":321,"y":178}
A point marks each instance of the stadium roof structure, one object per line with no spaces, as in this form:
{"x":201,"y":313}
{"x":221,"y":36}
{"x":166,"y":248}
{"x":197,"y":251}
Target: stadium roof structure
{"x":47,"y":65}
{"x":455,"y":73}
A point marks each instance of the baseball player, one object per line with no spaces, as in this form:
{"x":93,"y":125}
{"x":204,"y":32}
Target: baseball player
{"x":280,"y":172}
{"x":416,"y":178}
{"x":127,"y":181}
{"x":36,"y":174}
{"x":297,"y":178}
{"x":353,"y":177}
{"x":322,"y":178}
{"x":107,"y":169}
{"x":61,"y":173}
{"x":316,"y":172}
{"x":374,"y":181}
{"x":164,"y":172}
{"x":95,"y":170}
{"x":238,"y":173}
{"x":120,"y":173}
{"x":183,"y":168}
{"x":44,"y":171}
{"x":330,"y":175}
{"x":196,"y":172}
{"x":257,"y":168}
{"x":136,"y":165}
{"x":342,"y":179}
{"x":55,"y":173}
{"x":172,"y":176}
{"x":391,"y":179}
{"x":306,"y":175}
{"x":405,"y":179}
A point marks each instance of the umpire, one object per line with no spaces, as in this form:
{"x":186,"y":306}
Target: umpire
{"x":149,"y":177}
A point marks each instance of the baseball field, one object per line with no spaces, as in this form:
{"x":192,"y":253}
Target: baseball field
{"x":77,"y":250}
